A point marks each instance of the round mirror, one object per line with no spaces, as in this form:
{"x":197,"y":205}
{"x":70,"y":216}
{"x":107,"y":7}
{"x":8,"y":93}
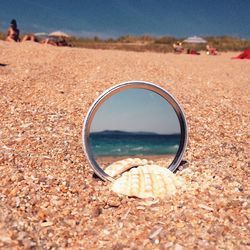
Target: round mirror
{"x":134,"y":123}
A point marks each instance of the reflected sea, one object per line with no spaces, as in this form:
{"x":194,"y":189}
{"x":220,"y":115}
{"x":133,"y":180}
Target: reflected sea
{"x":133,"y":144}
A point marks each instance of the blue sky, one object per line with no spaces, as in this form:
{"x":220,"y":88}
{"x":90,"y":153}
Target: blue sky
{"x":136,"y":110}
{"x":113,"y":18}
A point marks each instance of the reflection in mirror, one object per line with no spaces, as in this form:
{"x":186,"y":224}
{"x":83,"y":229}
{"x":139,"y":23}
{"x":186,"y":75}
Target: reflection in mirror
{"x":135,"y":127}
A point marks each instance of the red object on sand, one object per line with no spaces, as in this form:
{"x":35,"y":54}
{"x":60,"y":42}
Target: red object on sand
{"x":192,"y":52}
{"x":212,"y":51}
{"x":243,"y":55}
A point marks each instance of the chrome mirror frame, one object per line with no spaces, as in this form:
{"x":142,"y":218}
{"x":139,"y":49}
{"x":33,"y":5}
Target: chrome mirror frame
{"x":133,"y":85}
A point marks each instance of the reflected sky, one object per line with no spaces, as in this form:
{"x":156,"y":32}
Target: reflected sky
{"x":136,"y":110}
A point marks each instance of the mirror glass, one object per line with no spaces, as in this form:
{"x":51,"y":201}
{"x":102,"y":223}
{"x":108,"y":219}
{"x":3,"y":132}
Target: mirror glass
{"x":135,"y":123}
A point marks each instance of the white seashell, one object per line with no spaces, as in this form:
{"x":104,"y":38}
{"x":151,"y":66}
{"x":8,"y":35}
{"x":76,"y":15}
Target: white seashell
{"x":119,"y":167}
{"x":148,"y":181}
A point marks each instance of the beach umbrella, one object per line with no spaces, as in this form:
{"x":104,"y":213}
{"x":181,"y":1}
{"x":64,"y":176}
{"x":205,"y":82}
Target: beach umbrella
{"x":195,"y":39}
{"x":41,"y":34}
{"x":59,"y":34}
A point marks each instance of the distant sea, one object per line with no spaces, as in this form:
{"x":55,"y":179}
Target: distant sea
{"x":120,"y":143}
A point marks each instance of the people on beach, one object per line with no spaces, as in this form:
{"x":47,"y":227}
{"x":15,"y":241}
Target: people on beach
{"x":192,"y":52}
{"x":243,"y":55}
{"x":13,"y":32}
{"x":178,"y":47}
{"x":29,"y":38}
{"x":211,"y":50}
{"x":56,"y":41}
{"x":49,"y":41}
{"x":13,"y":36}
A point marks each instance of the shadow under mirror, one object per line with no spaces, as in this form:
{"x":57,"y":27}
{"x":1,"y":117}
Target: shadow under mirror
{"x":133,"y":125}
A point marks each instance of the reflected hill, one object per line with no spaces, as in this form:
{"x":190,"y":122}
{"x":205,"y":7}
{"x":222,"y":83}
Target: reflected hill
{"x":120,"y":132}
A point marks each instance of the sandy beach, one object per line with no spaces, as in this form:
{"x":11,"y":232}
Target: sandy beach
{"x":48,"y":196}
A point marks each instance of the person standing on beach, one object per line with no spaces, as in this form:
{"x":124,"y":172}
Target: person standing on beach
{"x":13,"y":32}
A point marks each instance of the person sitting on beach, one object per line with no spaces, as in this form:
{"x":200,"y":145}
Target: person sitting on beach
{"x":192,"y":52}
{"x":178,"y":47}
{"x":49,"y":41}
{"x":211,"y":51}
{"x":56,"y":41}
{"x":63,"y":42}
{"x":13,"y":32}
{"x":243,"y":55}
{"x":29,"y":38}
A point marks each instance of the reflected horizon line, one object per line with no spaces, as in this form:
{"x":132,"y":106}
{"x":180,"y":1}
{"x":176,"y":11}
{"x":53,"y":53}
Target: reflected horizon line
{"x":131,"y":132}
